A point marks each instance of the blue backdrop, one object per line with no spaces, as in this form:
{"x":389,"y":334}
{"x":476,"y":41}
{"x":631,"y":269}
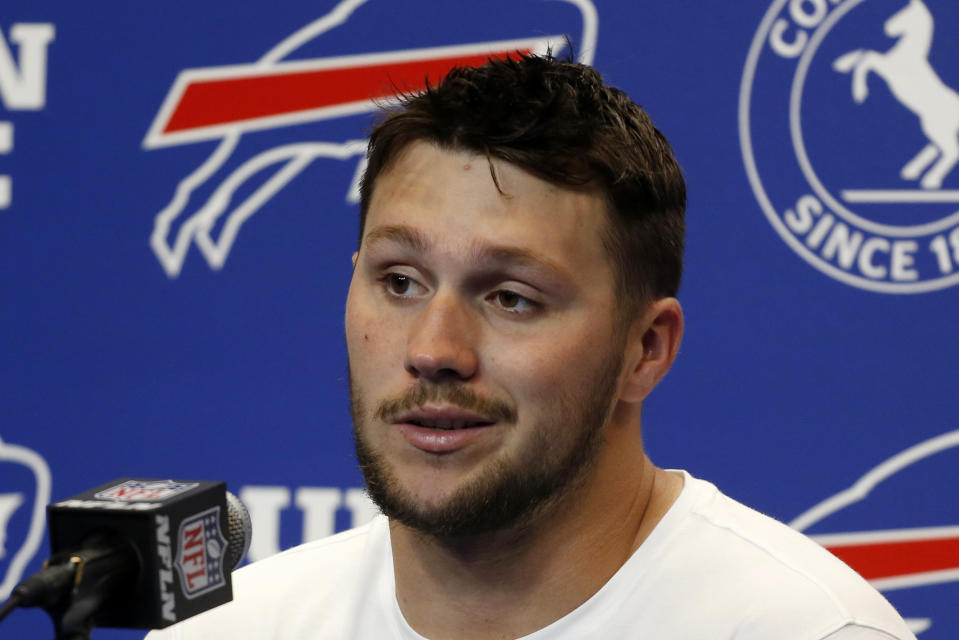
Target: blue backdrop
{"x":177,"y":220}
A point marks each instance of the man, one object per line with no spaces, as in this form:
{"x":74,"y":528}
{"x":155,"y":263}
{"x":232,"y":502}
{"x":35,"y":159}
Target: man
{"x":511,"y":307}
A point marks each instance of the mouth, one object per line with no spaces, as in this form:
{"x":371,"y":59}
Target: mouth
{"x":445,"y":419}
{"x":442,"y":430}
{"x":449,"y":425}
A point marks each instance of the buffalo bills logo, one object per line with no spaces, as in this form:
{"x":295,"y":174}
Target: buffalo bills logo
{"x":284,"y":88}
{"x":24,"y":493}
{"x":899,"y":526}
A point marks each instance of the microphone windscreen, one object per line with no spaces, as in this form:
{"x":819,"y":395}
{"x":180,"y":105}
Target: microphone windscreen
{"x":239,"y":530}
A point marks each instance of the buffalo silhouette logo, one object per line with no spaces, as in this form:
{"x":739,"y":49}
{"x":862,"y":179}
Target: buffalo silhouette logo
{"x":921,"y":556}
{"x":24,"y":494}
{"x":231,"y":103}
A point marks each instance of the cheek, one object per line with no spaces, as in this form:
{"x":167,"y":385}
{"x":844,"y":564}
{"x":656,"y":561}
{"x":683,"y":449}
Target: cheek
{"x":544,"y":368}
{"x":371,"y":342}
{"x":359,"y":329}
{"x":566,"y":360}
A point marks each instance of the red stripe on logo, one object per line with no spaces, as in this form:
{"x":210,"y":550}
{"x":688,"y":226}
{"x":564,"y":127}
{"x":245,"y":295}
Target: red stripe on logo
{"x":874,"y":560}
{"x":223,"y":101}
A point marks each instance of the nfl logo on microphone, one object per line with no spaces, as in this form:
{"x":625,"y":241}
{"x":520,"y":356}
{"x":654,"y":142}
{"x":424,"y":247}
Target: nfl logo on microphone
{"x":202,"y":548}
{"x":145,"y":490}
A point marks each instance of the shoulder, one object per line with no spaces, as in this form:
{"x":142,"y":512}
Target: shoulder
{"x":313,"y":585}
{"x":335,"y":555}
{"x":775,"y":576}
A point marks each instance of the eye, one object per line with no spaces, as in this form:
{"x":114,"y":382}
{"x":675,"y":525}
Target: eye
{"x":401,"y":285}
{"x":508,"y":299}
{"x":512,"y":302}
{"x":398,"y":284}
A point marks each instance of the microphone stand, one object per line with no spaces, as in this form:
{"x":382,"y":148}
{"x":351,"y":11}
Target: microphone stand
{"x":102,"y":570}
{"x":74,"y":585}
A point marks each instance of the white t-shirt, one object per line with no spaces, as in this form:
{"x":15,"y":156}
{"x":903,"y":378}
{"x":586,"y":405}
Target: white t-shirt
{"x":712,"y":569}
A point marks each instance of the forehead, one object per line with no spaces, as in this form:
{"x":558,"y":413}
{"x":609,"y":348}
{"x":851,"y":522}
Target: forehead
{"x":450,"y":197}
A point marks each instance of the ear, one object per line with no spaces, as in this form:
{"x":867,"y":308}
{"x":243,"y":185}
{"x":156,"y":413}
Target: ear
{"x":355,"y":256}
{"x":652,"y":346}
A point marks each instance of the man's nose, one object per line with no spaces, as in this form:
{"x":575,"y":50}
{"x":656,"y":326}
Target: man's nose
{"x":442,"y":340}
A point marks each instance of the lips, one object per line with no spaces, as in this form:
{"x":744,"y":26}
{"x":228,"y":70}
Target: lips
{"x":442,"y":430}
{"x":445,"y":419}
{"x":448,"y":425}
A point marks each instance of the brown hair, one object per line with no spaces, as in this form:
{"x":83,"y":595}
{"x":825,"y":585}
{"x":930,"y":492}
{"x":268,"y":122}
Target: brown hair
{"x":558,"y":120}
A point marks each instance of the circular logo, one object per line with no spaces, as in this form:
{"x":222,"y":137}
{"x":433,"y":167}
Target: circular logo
{"x":849,"y":128}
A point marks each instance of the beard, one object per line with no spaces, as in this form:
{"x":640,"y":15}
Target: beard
{"x":514,"y":488}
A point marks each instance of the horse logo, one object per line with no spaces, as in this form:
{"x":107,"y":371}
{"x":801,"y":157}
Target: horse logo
{"x":865,"y":196}
{"x":916,"y":85}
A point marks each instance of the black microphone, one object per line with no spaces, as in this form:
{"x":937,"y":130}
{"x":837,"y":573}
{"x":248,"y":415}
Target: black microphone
{"x":138,"y":553}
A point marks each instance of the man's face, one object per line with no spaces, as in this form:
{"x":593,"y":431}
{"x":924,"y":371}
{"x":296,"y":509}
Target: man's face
{"x":483,"y":342}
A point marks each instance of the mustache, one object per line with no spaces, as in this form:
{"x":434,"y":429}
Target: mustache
{"x":454,"y":394}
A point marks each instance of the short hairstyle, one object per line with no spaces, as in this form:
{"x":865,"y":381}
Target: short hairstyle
{"x":558,"y":120}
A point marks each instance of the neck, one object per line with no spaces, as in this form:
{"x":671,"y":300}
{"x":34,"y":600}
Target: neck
{"x":509,"y":583}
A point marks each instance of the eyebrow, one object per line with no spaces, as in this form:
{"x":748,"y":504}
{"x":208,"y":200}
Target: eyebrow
{"x":406,"y":236}
{"x":498,"y":254}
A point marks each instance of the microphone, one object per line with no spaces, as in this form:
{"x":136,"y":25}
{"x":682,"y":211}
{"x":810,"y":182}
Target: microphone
{"x":138,"y":553}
